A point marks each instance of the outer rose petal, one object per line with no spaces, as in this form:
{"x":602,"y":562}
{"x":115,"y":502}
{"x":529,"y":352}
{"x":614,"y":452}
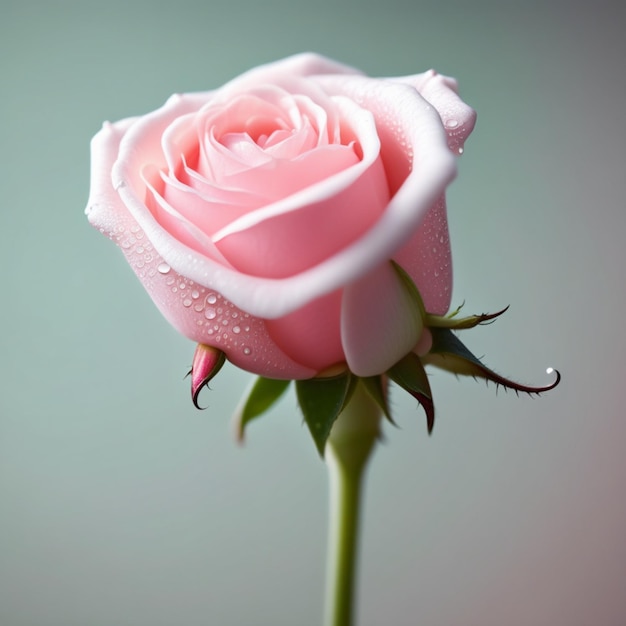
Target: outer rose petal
{"x":198,"y":313}
{"x":442,"y":92}
{"x":311,"y":335}
{"x":427,"y":259}
{"x":277,"y":72}
{"x":379,"y":324}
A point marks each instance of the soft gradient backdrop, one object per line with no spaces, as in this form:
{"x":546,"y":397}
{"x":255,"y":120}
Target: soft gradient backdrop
{"x":120,"y":504}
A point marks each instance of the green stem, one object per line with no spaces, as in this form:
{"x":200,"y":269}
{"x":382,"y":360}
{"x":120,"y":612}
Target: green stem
{"x":348,"y":450}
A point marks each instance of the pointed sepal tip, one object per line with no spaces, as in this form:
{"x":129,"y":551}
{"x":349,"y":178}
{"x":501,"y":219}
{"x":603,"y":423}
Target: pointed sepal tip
{"x":207,"y":362}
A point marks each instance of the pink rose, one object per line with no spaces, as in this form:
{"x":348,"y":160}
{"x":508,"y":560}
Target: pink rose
{"x":261,"y":217}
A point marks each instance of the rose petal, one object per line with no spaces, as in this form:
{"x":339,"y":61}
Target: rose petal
{"x":283,"y":71}
{"x":442,"y":92}
{"x":379,"y":324}
{"x":311,"y":334}
{"x":180,"y":227}
{"x":427,"y":259}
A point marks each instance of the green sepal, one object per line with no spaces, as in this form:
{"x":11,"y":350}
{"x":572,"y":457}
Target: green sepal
{"x":457,"y":310}
{"x":450,"y":321}
{"x":259,"y":397}
{"x":413,"y":292}
{"x":441,"y":321}
{"x":321,"y":400}
{"x":450,"y":354}
{"x":376,"y":389}
{"x":409,"y":373}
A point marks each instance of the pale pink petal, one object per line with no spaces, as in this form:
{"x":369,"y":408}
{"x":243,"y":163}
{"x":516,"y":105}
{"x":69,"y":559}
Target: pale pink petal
{"x":179,"y":142}
{"x":223,"y":194}
{"x":285,"y":70}
{"x":175,"y":222}
{"x":311,"y":334}
{"x":205,"y":316}
{"x":379,"y":323}
{"x":208,"y":215}
{"x":291,"y":241}
{"x":280,"y":178}
{"x":442,"y":92}
{"x":141,"y":145}
{"x":289,"y":144}
{"x":104,"y":208}
{"x":427,"y":259}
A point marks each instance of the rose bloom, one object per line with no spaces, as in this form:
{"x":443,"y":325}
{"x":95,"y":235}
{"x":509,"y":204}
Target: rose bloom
{"x":262,"y":217}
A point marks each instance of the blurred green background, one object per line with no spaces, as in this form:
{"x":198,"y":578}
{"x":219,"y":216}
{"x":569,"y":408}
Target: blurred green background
{"x":122,"y":505}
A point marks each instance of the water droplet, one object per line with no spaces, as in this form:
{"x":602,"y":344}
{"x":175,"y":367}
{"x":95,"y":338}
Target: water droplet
{"x":195,"y":294}
{"x":170,"y":280}
{"x":247,"y":328}
{"x":139,"y":250}
{"x":174,"y":289}
{"x":460,"y":150}
{"x":247,"y":350}
{"x":199,"y":307}
{"x":187,"y":302}
{"x":442,"y":239}
{"x":452,"y":123}
{"x":236,"y":329}
{"x":182,"y":285}
{"x":211,"y":298}
{"x":210,"y":331}
{"x":210,"y":314}
{"x":224,"y":322}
